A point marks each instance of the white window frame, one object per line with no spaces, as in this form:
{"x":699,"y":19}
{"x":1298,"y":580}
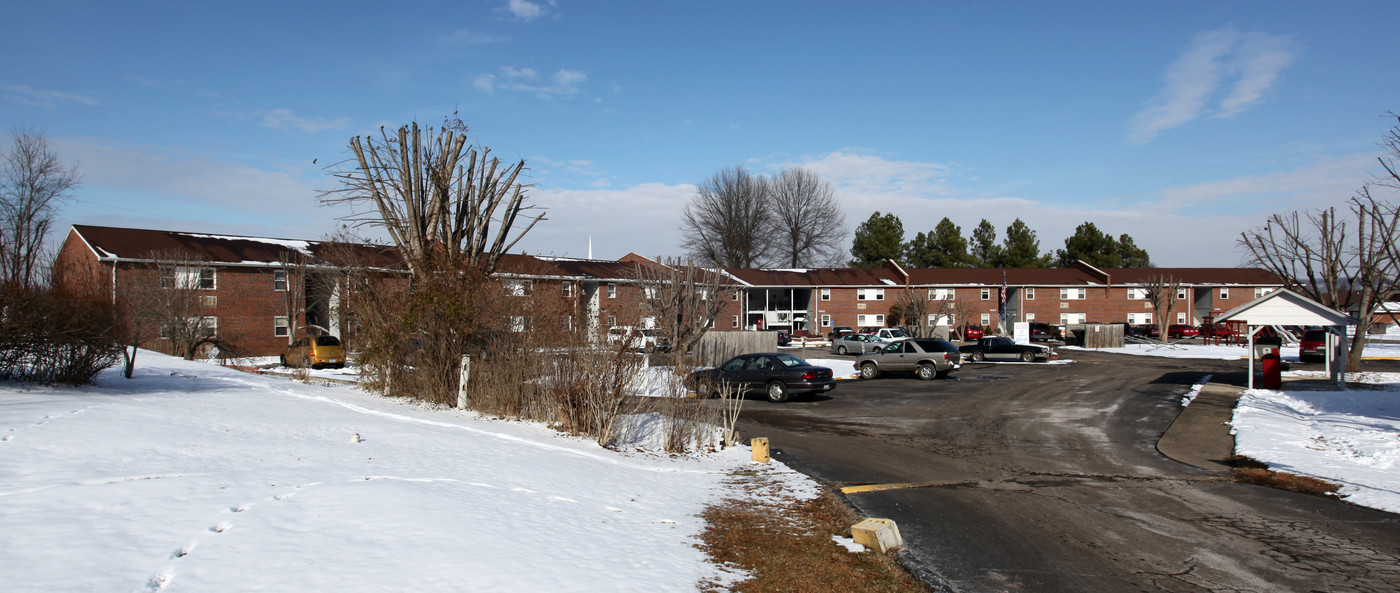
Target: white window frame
{"x":826,"y":294}
{"x":942,"y":294}
{"x":652,"y":293}
{"x":280,"y":326}
{"x":986,"y":319}
{"x":870,"y":294}
{"x":1137,"y":294}
{"x":1030,"y":293}
{"x":279,"y":280}
{"x":189,"y":277}
{"x":208,"y":300}
{"x":1139,"y":318}
{"x":1030,"y":317}
{"x":612,"y":321}
{"x":1070,"y":318}
{"x":870,"y":320}
{"x":736,"y":321}
{"x":1181,"y":294}
{"x":826,"y":320}
{"x":1181,"y":318}
{"x":986,"y":294}
{"x":612,"y":290}
{"x":1224,"y":293}
{"x":566,"y":288}
{"x":1073,"y":294}
{"x":1261,"y":291}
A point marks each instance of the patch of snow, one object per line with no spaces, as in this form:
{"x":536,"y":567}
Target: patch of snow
{"x":191,"y":476}
{"x":1195,"y":391}
{"x":848,"y":543}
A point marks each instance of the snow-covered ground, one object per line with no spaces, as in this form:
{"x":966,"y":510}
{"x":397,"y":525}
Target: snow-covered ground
{"x":193,"y":477}
{"x":1349,"y":437}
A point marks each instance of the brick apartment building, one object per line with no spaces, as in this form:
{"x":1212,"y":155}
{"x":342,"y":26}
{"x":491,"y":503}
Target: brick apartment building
{"x":247,"y":279}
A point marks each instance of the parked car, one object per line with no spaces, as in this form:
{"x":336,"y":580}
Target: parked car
{"x":1148,"y":330}
{"x":318,"y":353}
{"x":926,"y":357}
{"x":776,"y":375}
{"x":1004,"y":348}
{"x":836,"y":331}
{"x":784,"y":338}
{"x":971,"y":332}
{"x":856,"y":343}
{"x":1313,"y":346}
{"x":1044,"y":332}
{"x":1178,"y":330}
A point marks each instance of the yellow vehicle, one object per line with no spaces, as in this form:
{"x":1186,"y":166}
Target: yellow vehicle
{"x":318,"y":353}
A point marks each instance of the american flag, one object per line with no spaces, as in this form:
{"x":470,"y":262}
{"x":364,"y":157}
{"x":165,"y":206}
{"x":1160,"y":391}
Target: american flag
{"x":1001,"y":305}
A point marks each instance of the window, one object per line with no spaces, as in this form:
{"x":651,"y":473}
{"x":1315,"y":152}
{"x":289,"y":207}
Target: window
{"x":518,"y":287}
{"x":1072,"y":294}
{"x":870,"y":294}
{"x":279,"y":327}
{"x":736,"y":321}
{"x":1181,"y":317}
{"x":279,"y":280}
{"x":1072,"y":318}
{"x":1224,"y":294}
{"x":1137,"y":294}
{"x":986,"y":294}
{"x":1030,"y":293}
{"x":612,"y":290}
{"x":876,"y":320}
{"x":1261,"y":291}
{"x":986,"y":318}
{"x":567,"y":288}
{"x":1137,"y":318}
{"x":652,"y":293}
{"x":1181,"y":294}
{"x":736,"y":294}
{"x":936,"y":320}
{"x":826,"y":320}
{"x":1030,"y":317}
{"x":941,"y":294}
{"x":826,"y":294}
{"x":704,"y":294}
{"x":183,"y":277}
{"x":517,"y":323}
{"x":712,"y":323}
{"x":612,"y":321}
{"x":567,"y":323}
{"x":208,"y":300}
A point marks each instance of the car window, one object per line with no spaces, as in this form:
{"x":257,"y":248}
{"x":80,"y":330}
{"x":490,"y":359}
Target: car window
{"x":1001,"y":341}
{"x":898,"y":333}
{"x":327,"y":341}
{"x":759,"y":363}
{"x":791,"y":361}
{"x":735,"y":364}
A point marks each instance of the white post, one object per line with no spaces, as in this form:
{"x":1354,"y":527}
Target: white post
{"x":462,"y":382}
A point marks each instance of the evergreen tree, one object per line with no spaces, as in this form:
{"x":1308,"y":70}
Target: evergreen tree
{"x":1132,"y":255}
{"x":985,"y":251}
{"x":944,"y":247}
{"x":1021,"y":248}
{"x":1092,"y":246}
{"x":877,"y":239}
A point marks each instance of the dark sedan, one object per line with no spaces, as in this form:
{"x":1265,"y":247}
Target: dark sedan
{"x":776,"y":375}
{"x":1003,"y":348}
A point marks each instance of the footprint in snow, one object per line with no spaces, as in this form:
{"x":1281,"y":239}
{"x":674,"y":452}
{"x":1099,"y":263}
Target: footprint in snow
{"x":183,"y":551}
{"x":221,"y":527}
{"x":159,"y":581}
{"x":561,"y":499}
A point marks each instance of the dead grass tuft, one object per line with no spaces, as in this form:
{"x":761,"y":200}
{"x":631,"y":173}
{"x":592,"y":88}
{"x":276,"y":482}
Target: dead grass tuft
{"x":1251,"y":471}
{"x":784,"y":544}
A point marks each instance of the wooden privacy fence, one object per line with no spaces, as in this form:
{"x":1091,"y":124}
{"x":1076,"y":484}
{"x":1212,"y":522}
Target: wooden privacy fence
{"x":716,"y":347}
{"x":1099,"y":335}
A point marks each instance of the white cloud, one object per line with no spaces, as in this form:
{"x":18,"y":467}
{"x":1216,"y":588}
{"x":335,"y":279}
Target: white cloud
{"x":1323,"y":182}
{"x":523,"y":10}
{"x":282,"y":119}
{"x":1252,"y":61}
{"x":25,"y":95}
{"x":561,"y":83}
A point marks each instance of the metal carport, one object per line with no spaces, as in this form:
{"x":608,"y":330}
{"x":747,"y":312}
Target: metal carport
{"x":1284,"y":307}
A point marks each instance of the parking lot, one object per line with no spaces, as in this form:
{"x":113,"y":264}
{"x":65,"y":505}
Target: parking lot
{"x":1046,"y":477}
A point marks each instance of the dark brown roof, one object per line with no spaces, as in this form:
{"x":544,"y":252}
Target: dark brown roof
{"x":145,"y":244}
{"x":817,"y":277}
{"x":1196,"y":276}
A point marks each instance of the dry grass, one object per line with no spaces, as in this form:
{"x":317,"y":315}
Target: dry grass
{"x":1250,"y":471}
{"x":784,"y":544}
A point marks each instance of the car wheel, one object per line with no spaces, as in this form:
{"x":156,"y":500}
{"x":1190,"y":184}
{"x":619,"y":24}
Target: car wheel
{"x":1027,"y":356}
{"x":977,"y":356}
{"x":777,"y":392}
{"x":840,"y":349}
{"x":869,"y":371}
{"x":926,"y":371}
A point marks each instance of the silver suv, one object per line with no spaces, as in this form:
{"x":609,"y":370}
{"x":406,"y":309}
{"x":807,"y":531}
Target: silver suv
{"x":928,"y":358}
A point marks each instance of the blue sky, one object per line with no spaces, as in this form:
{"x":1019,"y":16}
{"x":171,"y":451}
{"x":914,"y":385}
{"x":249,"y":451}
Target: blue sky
{"x":1181,"y":124}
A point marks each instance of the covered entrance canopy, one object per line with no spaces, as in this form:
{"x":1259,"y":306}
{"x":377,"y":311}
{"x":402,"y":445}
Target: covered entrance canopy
{"x":1285,"y":307}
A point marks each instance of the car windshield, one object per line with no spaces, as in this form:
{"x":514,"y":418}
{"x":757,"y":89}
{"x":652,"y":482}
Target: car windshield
{"x":791,"y":360}
{"x":327,"y":341}
{"x":898,"y":333}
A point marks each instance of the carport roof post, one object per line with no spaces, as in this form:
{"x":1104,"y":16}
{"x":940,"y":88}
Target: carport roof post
{"x":1285,"y":307}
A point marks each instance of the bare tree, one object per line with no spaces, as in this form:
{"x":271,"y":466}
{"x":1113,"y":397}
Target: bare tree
{"x":437,"y":198}
{"x":807,"y":220}
{"x":162,"y":299}
{"x":1161,"y":291}
{"x":32,"y":183}
{"x":295,"y":274}
{"x":727,"y":223}
{"x":683,"y":297}
{"x":910,"y":311}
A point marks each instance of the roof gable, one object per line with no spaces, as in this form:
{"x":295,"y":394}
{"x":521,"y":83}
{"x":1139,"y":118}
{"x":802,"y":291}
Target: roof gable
{"x":1285,"y":307}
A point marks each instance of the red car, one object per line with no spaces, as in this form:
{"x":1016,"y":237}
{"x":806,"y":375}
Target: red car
{"x":1178,"y":330}
{"x":1312,"y":348}
{"x":971,"y":333}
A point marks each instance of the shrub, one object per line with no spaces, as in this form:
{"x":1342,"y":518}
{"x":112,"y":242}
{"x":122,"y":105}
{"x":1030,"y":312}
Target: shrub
{"x":50,"y":336}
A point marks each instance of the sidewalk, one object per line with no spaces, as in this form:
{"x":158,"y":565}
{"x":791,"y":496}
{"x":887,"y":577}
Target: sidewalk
{"x":1200,"y":436}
